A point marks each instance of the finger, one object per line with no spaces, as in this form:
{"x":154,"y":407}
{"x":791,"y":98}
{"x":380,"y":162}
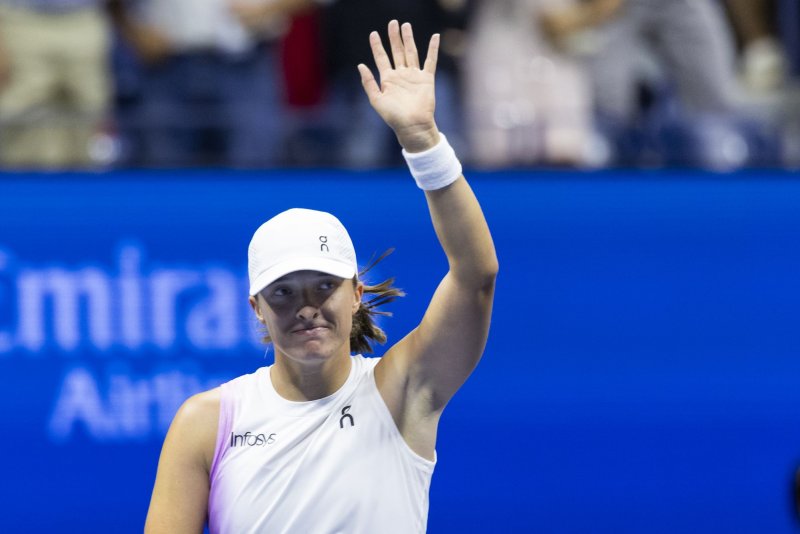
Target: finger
{"x":368,"y":82}
{"x":433,"y":55}
{"x":379,"y":54}
{"x":409,"y":46}
{"x":398,"y":54}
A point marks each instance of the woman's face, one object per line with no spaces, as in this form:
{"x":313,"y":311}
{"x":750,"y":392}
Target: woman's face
{"x":309,"y":314}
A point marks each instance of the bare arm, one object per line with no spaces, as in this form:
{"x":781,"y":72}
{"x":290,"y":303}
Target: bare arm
{"x":5,"y":65}
{"x":256,"y":16}
{"x":150,"y":44}
{"x":180,"y":497}
{"x":750,"y":19}
{"x":558,"y":24}
{"x":419,"y":375}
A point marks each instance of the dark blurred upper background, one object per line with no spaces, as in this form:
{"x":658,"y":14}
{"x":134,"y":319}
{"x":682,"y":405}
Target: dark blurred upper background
{"x":521,"y":83}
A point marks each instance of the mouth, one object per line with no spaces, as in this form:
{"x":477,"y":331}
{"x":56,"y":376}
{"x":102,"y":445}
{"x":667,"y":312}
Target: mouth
{"x":310,"y":331}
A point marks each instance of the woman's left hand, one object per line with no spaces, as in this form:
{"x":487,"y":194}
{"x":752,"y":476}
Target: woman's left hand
{"x":405,"y":98}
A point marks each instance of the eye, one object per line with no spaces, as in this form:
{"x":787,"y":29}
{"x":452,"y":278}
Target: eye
{"x":327,"y":285}
{"x":281,"y":291}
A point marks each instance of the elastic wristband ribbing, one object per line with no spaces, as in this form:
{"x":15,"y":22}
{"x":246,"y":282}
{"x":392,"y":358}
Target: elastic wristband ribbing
{"x":436,"y":167}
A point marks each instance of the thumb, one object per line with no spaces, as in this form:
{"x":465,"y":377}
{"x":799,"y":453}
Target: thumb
{"x":368,"y":82}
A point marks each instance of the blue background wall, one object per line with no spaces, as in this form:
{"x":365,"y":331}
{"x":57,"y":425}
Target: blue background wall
{"x":642,"y":373}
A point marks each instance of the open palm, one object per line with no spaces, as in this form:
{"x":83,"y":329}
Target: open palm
{"x":405,"y":97}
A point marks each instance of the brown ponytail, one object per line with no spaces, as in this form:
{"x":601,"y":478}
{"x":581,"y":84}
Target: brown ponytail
{"x":365,"y":332}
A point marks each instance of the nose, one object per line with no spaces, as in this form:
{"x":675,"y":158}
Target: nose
{"x":307,"y":313}
{"x":309,"y":307}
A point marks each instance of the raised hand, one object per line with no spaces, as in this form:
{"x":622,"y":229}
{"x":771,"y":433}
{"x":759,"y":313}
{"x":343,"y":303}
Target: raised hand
{"x":405,"y":97}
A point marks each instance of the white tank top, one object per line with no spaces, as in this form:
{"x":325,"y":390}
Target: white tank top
{"x":333,"y":465}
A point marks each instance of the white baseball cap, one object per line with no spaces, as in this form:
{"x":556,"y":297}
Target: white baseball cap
{"x":299,"y":240}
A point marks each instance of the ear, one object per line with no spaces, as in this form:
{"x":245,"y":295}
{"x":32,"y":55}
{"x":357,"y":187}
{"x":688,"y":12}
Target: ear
{"x":359,"y":293}
{"x":254,"y":304}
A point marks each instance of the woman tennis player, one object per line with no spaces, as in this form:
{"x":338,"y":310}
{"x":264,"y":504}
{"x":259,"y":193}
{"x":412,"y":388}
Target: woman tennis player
{"x":324,"y":441}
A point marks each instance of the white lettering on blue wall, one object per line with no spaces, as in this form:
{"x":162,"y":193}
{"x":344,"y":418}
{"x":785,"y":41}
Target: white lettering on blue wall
{"x":102,"y":319}
{"x":60,"y":309}
{"x":120,"y":405}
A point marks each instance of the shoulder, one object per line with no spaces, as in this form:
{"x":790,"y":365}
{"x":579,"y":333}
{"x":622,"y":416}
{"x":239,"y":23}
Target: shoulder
{"x":200,"y":408}
{"x":366,"y":363}
{"x":180,"y":496}
{"x":194,"y":428}
{"x":199,"y":413}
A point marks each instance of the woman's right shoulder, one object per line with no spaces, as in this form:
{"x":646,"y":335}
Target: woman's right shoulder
{"x":201,"y":411}
{"x":194,"y":427}
{"x":201,"y":407}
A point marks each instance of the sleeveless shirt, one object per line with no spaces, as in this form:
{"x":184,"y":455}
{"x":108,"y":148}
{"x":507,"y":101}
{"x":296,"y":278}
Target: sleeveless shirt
{"x":334,"y":465}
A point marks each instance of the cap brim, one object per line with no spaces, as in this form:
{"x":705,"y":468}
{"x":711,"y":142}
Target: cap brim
{"x":323,"y":265}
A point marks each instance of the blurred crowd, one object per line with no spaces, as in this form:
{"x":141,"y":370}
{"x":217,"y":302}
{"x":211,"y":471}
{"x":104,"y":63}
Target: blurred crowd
{"x":521,"y":83}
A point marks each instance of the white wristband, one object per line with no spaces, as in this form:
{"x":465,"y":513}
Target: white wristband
{"x":436,"y":167}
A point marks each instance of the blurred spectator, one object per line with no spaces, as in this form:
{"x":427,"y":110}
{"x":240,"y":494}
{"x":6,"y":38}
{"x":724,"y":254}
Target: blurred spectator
{"x":301,"y":61}
{"x":528,"y":98}
{"x":211,"y":86}
{"x":310,"y":139}
{"x":54,"y":81}
{"x":682,"y":53}
{"x":768,"y":34}
{"x":763,"y":64}
{"x":362,"y":138}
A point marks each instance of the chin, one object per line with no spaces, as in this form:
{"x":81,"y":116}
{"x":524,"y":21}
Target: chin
{"x":312,"y":352}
